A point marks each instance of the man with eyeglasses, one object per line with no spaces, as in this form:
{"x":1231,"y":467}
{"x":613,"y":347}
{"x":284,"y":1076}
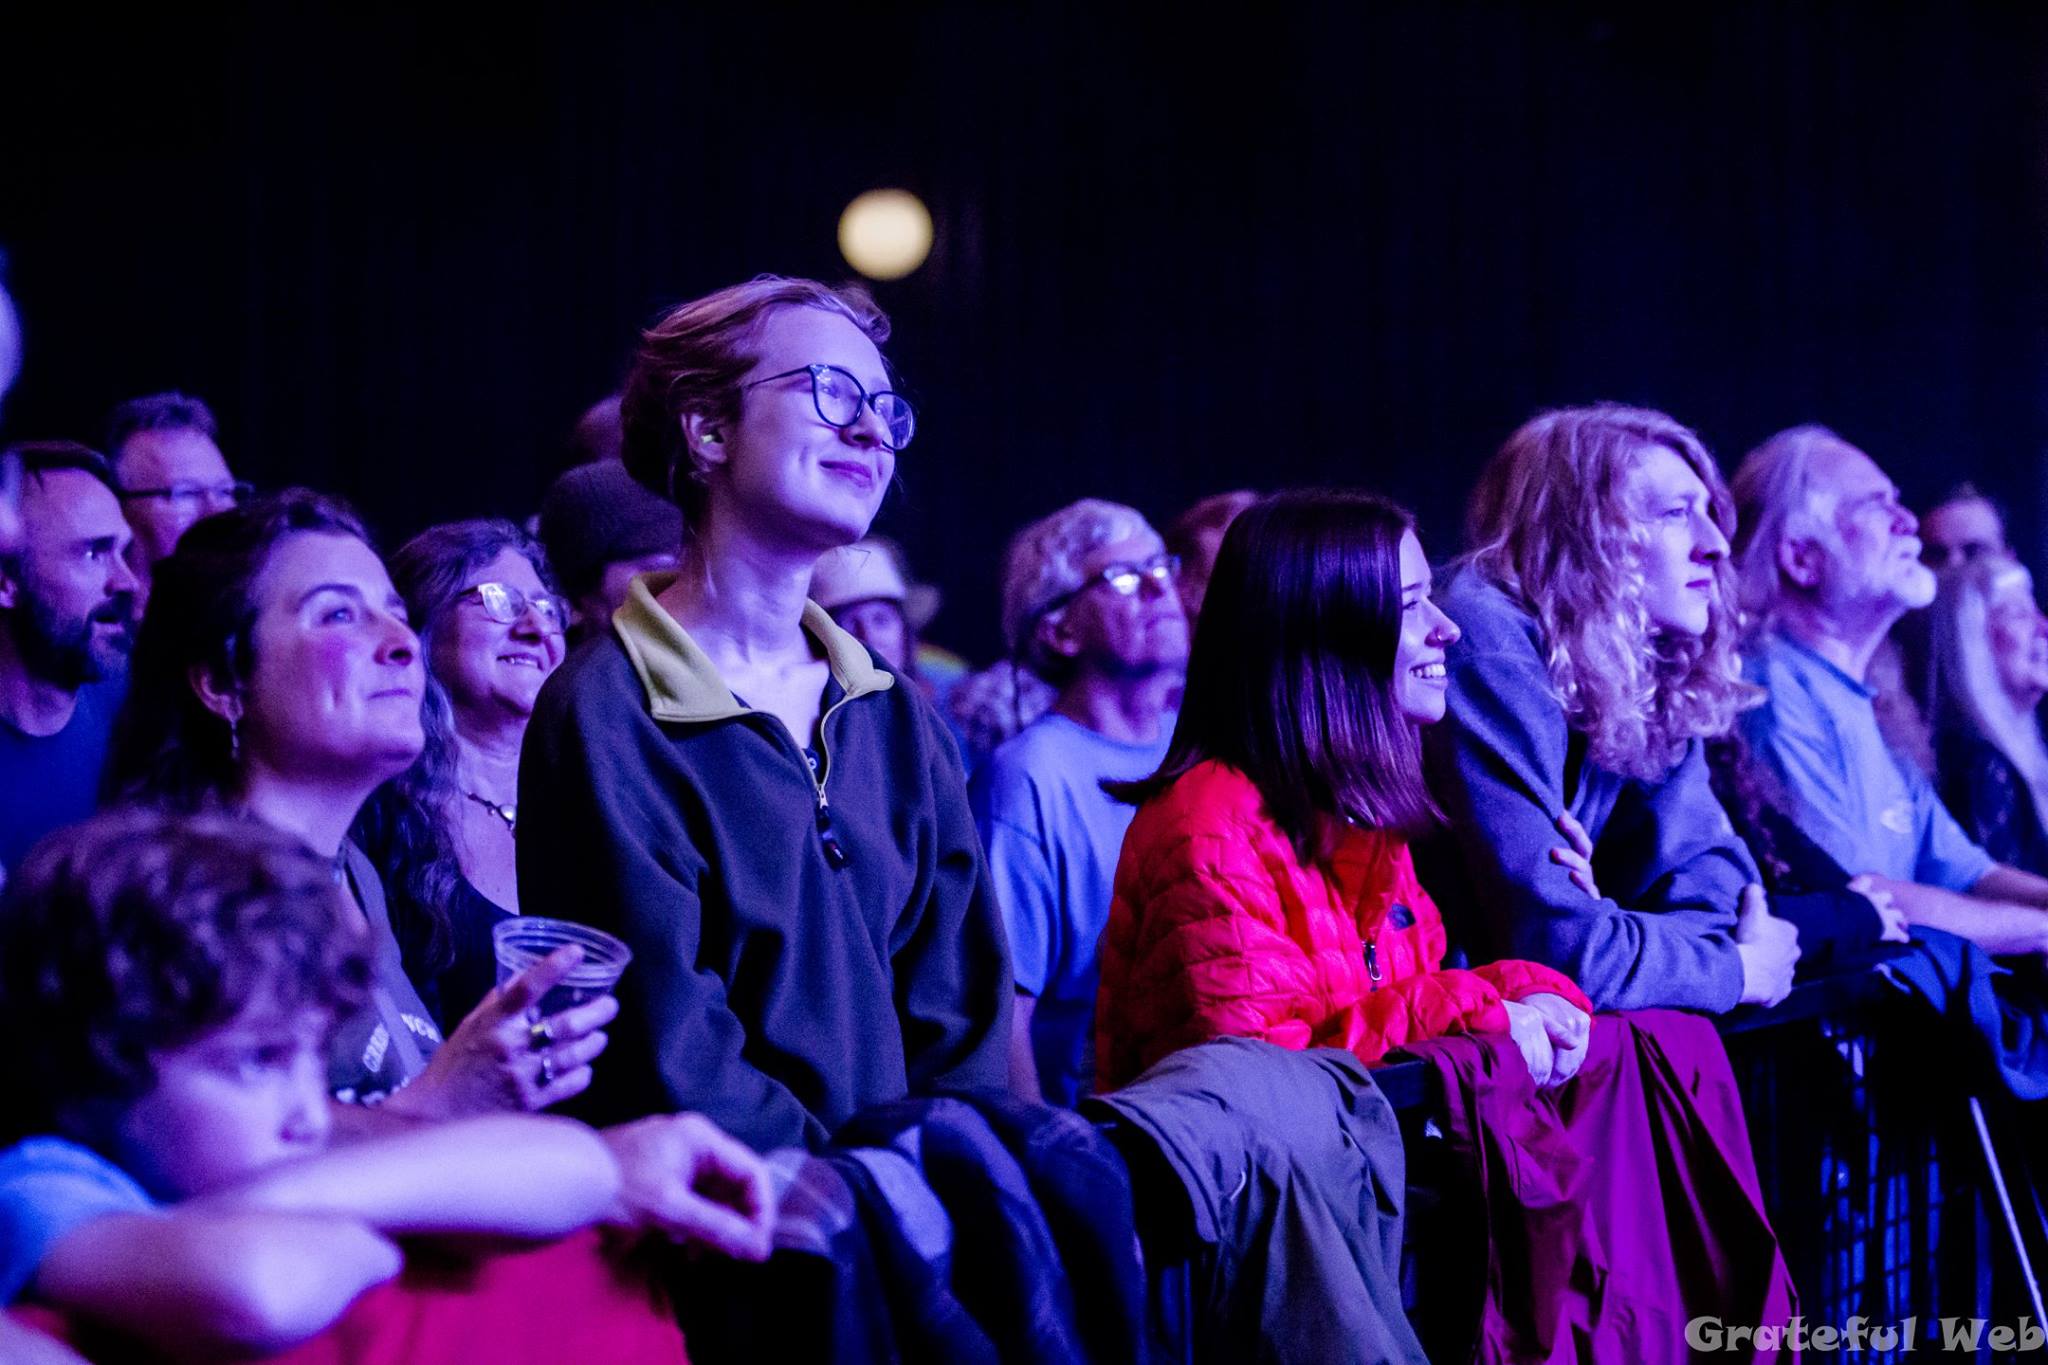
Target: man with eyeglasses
{"x":67,"y":613}
{"x":170,"y":473}
{"x":1089,"y":605}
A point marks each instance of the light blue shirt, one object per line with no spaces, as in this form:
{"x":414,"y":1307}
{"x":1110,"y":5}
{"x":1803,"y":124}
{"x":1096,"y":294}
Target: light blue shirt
{"x":49,"y":1187}
{"x":1053,"y":836}
{"x":1871,"y":810}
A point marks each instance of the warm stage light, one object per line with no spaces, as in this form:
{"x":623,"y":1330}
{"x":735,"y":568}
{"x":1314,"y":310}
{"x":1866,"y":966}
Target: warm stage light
{"x":885,"y":234}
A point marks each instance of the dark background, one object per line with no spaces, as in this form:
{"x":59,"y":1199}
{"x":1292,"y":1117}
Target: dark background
{"x":400,"y":253}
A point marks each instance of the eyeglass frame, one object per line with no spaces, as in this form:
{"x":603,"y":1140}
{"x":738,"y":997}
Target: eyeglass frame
{"x":867,"y":400}
{"x":527,"y":601}
{"x":238,"y":489}
{"x":1162,"y":568}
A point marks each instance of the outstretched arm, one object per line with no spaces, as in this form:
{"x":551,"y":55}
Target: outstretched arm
{"x":199,"y":1285}
{"x":510,"y":1175}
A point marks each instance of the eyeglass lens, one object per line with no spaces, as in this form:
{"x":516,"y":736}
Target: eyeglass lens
{"x":1124,"y":579}
{"x":840,"y":397}
{"x":505,"y":604}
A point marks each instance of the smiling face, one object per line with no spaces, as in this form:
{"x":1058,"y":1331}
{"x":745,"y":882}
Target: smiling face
{"x":780,"y":470}
{"x":493,"y":670}
{"x":335,"y":690}
{"x":229,"y":1104}
{"x":2018,"y":634}
{"x":1679,"y":543}
{"x":1420,"y":678}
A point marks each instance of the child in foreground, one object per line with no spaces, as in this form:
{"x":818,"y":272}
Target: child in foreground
{"x":170,"y":983}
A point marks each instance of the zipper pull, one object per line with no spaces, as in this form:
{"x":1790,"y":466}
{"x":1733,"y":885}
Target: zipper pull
{"x":1372,"y":960}
{"x":835,"y":852}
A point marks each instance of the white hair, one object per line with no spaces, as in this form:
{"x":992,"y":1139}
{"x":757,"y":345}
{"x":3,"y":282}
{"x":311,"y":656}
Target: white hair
{"x":1967,"y":692}
{"x":1776,"y":500}
{"x":1043,"y":564}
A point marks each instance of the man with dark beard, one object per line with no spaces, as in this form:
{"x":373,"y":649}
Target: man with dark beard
{"x":67,"y":605}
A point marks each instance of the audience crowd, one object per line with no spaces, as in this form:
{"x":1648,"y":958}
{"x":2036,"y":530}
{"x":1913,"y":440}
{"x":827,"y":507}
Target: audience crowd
{"x":1028,"y":1013}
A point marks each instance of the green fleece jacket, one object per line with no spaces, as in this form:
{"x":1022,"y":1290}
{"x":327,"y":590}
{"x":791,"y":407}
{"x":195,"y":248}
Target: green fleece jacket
{"x":802,"y":946}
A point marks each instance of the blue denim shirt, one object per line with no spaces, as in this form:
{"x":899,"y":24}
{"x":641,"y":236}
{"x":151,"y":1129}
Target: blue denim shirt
{"x":1869,"y":809}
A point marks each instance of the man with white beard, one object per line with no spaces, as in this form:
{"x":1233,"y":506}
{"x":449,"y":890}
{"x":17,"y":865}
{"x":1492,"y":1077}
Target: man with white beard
{"x":1829,"y":561}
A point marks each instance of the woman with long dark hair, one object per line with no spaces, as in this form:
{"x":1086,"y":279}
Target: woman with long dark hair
{"x":490,"y":624}
{"x":1266,"y":888}
{"x":276,"y":675}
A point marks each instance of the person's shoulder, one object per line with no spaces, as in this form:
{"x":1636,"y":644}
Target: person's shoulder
{"x":104,"y":698}
{"x":1045,"y":745}
{"x":1206,"y":796}
{"x":592,"y":679}
{"x":1784,"y":671}
{"x":1490,"y":621}
{"x":37,"y":1161}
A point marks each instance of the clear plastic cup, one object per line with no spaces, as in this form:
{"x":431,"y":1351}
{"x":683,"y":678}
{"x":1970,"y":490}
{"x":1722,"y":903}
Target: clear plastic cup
{"x":523,"y":940}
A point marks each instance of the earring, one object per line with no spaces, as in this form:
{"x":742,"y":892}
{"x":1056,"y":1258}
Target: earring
{"x":234,"y":741}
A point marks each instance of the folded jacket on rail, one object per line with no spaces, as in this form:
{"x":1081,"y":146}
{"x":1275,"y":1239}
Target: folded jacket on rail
{"x":1292,"y":1170}
{"x":1616,"y":1207}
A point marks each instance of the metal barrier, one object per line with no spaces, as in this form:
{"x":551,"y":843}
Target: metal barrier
{"x":1875,"y":1159}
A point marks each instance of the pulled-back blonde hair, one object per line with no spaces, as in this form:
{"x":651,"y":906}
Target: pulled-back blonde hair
{"x":1549,"y":526}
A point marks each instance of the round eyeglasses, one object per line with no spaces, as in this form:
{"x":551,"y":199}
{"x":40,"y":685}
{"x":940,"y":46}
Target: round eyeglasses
{"x":839,"y":398}
{"x":506,"y":604}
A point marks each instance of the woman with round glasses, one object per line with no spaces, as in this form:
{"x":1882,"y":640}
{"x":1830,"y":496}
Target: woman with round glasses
{"x":491,"y":631}
{"x":728,"y":781}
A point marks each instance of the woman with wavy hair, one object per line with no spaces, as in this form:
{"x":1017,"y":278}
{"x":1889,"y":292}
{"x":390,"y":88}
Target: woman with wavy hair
{"x":441,"y":833}
{"x":1598,"y":656}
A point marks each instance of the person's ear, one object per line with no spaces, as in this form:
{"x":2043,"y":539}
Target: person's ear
{"x":703,"y":440}
{"x":1801,"y":561}
{"x":215,"y":693}
{"x":1057,"y":637}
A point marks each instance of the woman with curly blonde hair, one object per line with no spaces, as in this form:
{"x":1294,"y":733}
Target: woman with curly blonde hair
{"x":1598,"y":657}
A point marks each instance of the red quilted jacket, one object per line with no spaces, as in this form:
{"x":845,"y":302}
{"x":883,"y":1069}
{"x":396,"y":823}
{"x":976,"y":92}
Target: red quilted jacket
{"x":1216,"y":928}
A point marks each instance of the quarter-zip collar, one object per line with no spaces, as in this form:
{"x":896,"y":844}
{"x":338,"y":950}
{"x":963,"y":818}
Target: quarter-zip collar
{"x":681,"y":682}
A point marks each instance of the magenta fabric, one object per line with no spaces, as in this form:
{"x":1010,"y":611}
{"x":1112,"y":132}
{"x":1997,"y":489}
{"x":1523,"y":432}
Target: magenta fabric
{"x":1618,"y":1206}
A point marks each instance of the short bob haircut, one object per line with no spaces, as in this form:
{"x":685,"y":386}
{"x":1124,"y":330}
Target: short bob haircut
{"x":1291,"y":678}
{"x":692,"y":361}
{"x":1549,"y":526}
{"x":138,"y":932}
{"x":168,"y":748}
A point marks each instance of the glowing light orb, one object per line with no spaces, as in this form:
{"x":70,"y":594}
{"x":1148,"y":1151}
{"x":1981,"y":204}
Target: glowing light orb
{"x":885,"y":234}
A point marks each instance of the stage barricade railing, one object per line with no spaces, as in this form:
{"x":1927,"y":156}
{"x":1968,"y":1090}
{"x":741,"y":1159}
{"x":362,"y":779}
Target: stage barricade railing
{"x":1871,"y":1167}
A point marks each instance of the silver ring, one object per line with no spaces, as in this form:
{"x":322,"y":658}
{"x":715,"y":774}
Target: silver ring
{"x":547,"y":1070}
{"x":540,"y":1034}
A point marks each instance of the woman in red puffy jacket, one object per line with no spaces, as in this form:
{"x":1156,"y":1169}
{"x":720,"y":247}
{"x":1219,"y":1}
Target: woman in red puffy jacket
{"x":1265,"y":888}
